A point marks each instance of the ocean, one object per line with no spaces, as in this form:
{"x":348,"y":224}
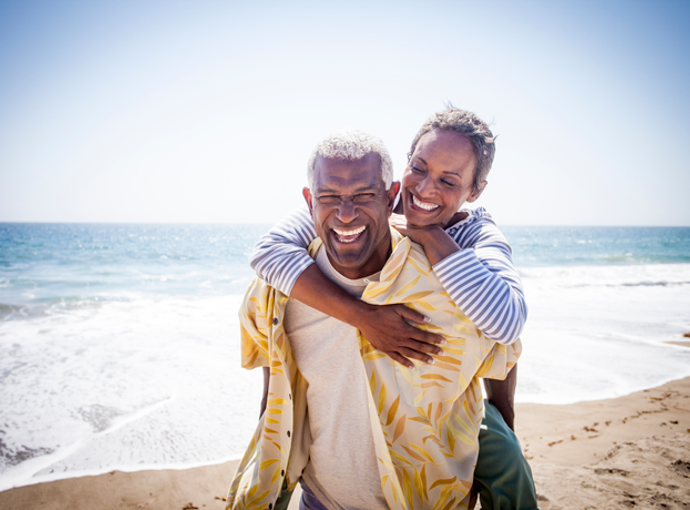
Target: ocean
{"x":119,"y":343}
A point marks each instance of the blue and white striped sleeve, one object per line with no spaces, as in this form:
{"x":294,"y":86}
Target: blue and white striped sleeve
{"x":482,"y":281}
{"x":281,"y":255}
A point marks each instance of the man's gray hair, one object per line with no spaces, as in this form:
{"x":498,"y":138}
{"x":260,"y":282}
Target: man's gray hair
{"x":352,"y":145}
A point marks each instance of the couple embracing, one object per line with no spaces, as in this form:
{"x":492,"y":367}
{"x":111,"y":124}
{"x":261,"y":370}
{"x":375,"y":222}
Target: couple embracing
{"x":362,"y":409}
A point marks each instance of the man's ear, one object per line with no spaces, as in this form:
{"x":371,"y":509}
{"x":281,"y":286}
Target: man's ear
{"x":392,"y":193}
{"x":306,"y":193}
{"x":477,"y":193}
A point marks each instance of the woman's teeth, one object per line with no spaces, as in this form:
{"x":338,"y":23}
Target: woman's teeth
{"x":423,"y":205}
{"x":348,"y":236}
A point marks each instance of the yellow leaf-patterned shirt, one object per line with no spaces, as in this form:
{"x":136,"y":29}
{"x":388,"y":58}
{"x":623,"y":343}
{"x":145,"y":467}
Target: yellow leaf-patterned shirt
{"x":425,"y":420}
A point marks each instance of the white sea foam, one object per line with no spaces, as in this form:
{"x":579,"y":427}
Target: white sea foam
{"x":601,"y":331}
{"x":124,"y":385}
{"x":155,"y":382}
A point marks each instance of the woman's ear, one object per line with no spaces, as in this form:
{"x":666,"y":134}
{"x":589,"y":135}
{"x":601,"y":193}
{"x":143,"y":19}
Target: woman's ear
{"x":476,"y":193}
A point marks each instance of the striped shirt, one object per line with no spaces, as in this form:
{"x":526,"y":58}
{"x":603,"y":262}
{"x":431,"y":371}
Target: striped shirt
{"x":480,"y":278}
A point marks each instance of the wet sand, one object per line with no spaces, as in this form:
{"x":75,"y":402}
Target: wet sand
{"x":628,"y":452}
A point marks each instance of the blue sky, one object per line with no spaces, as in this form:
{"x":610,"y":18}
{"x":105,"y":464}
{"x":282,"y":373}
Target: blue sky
{"x":208,"y":111}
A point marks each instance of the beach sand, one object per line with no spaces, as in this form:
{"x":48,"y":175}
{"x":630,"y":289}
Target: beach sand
{"x":628,"y":452}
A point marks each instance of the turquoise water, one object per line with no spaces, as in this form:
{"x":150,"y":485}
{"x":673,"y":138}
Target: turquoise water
{"x":570,"y":246}
{"x":46,"y":264}
{"x":119,"y":343}
{"x":42,"y":265}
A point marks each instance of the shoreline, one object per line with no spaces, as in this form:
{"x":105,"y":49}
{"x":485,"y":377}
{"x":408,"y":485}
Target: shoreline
{"x":632,"y":450}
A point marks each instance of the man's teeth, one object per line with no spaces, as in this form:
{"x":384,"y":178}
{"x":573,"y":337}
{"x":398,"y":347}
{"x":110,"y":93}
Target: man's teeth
{"x":348,"y":236}
{"x":423,"y":205}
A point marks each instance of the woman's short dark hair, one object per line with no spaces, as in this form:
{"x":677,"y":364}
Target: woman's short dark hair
{"x":469,"y":125}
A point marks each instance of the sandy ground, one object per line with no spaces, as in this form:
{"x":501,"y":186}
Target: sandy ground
{"x":628,"y":452}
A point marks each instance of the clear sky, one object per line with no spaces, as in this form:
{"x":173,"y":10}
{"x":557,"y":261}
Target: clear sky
{"x":204,"y":111}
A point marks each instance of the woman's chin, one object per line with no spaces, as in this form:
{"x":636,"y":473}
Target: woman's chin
{"x":420,"y":219}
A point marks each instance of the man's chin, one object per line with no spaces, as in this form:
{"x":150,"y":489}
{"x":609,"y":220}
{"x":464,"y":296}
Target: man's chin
{"x":347,"y":261}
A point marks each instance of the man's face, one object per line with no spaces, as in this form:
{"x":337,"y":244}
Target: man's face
{"x":350,"y":208}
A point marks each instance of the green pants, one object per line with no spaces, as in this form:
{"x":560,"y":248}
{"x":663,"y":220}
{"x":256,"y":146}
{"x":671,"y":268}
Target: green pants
{"x":502,"y":475}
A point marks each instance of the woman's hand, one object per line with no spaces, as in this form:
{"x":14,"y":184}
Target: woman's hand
{"x":436,"y":242}
{"x":387,"y":329}
{"x":415,"y":233}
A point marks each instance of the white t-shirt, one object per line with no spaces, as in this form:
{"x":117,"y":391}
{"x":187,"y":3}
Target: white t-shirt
{"x":342,"y":470}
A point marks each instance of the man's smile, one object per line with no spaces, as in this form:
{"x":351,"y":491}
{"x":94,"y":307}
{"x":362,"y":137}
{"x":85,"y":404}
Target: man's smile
{"x":426,"y":206}
{"x":348,"y":236}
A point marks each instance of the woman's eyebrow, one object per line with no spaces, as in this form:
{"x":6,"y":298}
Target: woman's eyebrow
{"x":446,"y":172}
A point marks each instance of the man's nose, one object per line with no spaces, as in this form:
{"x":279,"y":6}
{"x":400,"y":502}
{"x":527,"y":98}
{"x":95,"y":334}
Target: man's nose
{"x":347,"y":211}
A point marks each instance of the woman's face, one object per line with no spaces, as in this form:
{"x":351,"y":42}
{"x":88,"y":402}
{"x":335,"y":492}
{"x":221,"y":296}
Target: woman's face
{"x":438,"y":178}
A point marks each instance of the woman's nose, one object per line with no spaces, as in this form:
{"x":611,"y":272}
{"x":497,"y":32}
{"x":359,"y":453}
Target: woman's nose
{"x":425,"y":187}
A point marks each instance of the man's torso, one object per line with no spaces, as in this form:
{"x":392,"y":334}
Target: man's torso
{"x":342,"y":469}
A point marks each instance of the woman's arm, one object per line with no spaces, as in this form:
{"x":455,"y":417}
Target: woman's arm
{"x":282,"y":260}
{"x":501,"y":393}
{"x":475,"y":267}
{"x":280,"y":256}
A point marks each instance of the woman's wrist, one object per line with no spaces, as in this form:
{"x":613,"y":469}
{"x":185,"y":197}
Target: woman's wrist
{"x":429,"y":234}
{"x":437,"y":243}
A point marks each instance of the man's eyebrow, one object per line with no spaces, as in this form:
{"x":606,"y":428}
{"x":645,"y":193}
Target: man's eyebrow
{"x":370,"y":187}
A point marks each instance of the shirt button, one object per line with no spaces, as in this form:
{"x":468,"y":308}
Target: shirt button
{"x":275,"y":321}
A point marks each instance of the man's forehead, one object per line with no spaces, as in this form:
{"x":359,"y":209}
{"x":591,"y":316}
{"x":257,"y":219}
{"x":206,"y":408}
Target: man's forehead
{"x":341,"y":173}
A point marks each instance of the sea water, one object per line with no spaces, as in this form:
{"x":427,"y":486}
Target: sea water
{"x":119,"y":344}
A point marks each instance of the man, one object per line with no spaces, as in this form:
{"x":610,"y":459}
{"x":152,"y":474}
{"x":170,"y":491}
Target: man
{"x":359,"y":430}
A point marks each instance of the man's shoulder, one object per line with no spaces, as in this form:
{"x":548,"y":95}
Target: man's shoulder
{"x":260,"y":294}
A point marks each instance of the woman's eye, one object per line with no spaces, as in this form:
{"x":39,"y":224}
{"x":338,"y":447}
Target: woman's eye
{"x":417,"y":169}
{"x":448,"y":183}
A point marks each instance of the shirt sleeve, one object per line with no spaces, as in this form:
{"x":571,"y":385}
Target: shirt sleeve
{"x":482,"y":281}
{"x":500,"y":360}
{"x":281,"y":255}
{"x":254,"y":325}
